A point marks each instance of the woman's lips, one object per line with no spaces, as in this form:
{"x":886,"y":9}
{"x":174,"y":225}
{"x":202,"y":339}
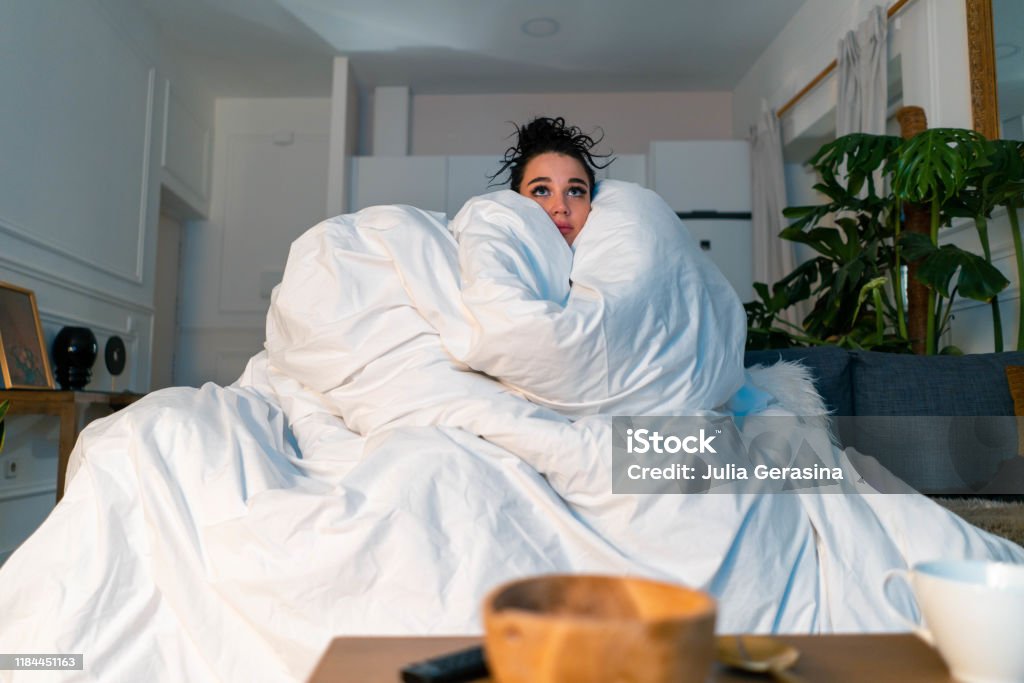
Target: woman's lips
{"x":564,"y":228}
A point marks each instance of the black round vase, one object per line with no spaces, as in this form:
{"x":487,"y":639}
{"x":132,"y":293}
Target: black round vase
{"x":74,"y":352}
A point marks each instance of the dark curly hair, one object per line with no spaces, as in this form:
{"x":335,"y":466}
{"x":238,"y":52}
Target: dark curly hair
{"x":543,"y":135}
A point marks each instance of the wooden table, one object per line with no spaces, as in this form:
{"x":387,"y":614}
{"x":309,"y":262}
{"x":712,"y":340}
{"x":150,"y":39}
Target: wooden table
{"x":69,"y":406}
{"x":897,"y":658}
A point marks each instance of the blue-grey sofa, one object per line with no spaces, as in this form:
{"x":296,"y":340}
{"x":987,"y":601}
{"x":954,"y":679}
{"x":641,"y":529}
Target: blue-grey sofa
{"x":943,"y":424}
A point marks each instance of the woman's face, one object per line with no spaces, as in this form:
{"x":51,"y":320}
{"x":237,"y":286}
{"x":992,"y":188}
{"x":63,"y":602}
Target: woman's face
{"x":559,"y":184}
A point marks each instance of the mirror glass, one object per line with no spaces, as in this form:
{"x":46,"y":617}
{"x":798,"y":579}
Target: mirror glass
{"x":1008,"y":32}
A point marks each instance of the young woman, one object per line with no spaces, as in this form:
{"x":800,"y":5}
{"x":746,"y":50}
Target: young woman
{"x":552,"y":164}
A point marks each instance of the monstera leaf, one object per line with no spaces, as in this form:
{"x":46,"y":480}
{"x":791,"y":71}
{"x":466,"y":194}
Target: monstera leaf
{"x":856,"y":157}
{"x":1002,"y":176}
{"x":936,"y":164}
{"x":1002,"y":166}
{"x":978,"y":279}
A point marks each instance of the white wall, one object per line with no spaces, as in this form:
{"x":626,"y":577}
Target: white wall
{"x":79,"y":186}
{"x":186,"y":139}
{"x":81,"y":160}
{"x":479,"y":124}
{"x":270,"y":164}
{"x":932,"y":38}
{"x":804,"y":47}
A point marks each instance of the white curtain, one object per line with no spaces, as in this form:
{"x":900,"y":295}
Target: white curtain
{"x":863,"y":84}
{"x":861,"y":107}
{"x":773,"y":257}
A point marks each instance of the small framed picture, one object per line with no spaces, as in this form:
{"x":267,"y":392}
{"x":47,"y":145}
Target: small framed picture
{"x":24,"y":362}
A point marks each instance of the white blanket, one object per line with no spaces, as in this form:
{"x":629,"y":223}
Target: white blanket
{"x":365,"y":476}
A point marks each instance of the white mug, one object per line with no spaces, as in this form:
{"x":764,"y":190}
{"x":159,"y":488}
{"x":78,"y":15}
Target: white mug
{"x":973,"y":615}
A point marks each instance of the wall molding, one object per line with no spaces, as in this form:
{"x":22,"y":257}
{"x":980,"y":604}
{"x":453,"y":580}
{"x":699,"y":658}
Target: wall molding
{"x":28,"y":490}
{"x":69,"y":320}
{"x":199,"y":195}
{"x":964,"y":304}
{"x":207,"y":162}
{"x":21,"y":232}
{"x":147,"y":145}
{"x":1004,"y":252}
{"x":933,"y":110}
{"x":964,"y":224}
{"x":163,"y":133}
{"x":74,"y":287}
{"x":202,"y":329}
{"x":12,"y":228}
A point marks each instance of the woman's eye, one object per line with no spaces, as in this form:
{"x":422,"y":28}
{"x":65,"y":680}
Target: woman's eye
{"x":539,"y":191}
{"x":577,"y":191}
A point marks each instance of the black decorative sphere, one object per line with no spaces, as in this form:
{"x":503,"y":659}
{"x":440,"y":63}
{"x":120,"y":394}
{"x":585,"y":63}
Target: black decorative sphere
{"x":74,"y":352}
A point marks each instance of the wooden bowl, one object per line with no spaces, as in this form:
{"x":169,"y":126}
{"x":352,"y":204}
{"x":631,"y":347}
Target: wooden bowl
{"x":587,"y":629}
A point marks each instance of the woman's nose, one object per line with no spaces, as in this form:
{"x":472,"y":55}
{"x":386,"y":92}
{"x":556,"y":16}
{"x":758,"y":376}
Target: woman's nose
{"x":558,"y":205}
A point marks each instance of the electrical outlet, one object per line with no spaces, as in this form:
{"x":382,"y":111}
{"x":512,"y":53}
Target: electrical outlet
{"x":10,"y":469}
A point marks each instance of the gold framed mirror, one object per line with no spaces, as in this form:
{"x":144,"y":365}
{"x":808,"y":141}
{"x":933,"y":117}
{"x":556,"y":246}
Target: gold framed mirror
{"x":981,"y":50}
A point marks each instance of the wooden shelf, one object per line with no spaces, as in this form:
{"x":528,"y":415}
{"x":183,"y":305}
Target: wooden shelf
{"x":68,"y":406}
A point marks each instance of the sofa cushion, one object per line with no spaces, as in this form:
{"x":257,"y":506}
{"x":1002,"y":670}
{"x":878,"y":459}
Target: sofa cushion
{"x":830,"y":366}
{"x":901,"y":384}
{"x":943,"y":424}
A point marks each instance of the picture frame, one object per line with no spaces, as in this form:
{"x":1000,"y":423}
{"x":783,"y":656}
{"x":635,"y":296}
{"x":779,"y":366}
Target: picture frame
{"x":24,"y":361}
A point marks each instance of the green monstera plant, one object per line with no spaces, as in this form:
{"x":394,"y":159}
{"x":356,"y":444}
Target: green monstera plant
{"x":853,"y":234}
{"x":857,"y":280}
{"x":1000,"y":183}
{"x":944,"y":168}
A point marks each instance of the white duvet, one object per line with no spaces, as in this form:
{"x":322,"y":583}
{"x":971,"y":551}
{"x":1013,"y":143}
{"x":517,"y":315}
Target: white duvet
{"x":431,"y":417}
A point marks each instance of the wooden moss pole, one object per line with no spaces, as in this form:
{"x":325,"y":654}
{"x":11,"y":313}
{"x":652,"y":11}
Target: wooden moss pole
{"x":917,"y":218}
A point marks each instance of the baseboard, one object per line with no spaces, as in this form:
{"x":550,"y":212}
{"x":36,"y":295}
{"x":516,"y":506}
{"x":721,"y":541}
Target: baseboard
{"x":28,"y":490}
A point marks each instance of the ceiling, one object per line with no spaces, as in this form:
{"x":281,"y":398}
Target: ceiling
{"x":284,"y":48}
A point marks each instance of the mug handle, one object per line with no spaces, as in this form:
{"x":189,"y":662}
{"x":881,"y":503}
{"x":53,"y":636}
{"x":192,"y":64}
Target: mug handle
{"x":919,"y":630}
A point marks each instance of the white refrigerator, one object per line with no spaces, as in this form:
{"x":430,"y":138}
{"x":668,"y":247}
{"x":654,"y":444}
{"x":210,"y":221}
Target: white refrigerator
{"x":707,"y":183}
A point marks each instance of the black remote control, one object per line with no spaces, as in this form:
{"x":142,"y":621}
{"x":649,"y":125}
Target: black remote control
{"x":464,"y":665}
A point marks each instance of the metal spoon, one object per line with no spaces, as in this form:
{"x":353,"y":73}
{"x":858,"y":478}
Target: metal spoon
{"x":758,"y":654}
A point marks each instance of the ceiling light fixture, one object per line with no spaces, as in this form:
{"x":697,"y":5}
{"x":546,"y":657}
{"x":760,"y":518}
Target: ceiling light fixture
{"x":541,"y":27}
